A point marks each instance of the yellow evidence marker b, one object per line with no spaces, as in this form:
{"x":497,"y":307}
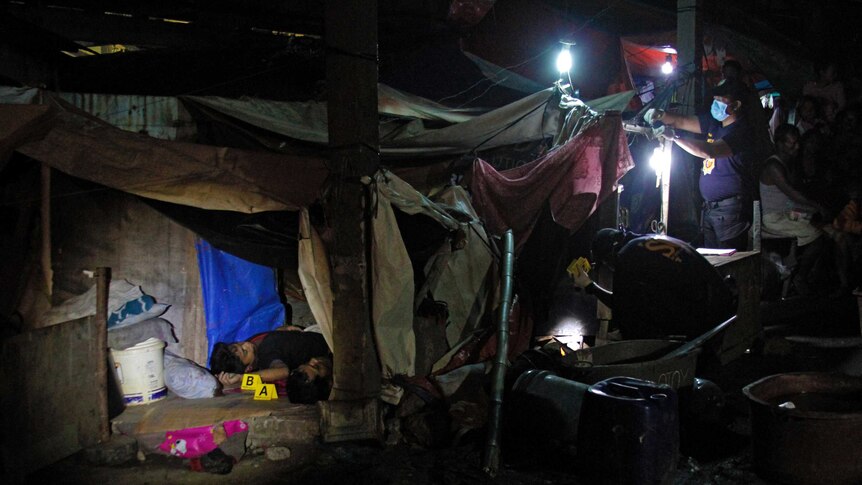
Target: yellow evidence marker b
{"x":251,"y":382}
{"x":265,"y":392}
{"x":581,"y":263}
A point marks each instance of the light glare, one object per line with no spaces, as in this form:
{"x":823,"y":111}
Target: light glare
{"x":564,"y":59}
{"x":660,"y":161}
{"x":667,"y":67}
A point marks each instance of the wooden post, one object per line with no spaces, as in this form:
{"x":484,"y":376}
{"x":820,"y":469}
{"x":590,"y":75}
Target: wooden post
{"x":608,"y":214}
{"x":103,"y":281}
{"x":689,"y":48}
{"x":45,"y":215}
{"x":351,"y":83}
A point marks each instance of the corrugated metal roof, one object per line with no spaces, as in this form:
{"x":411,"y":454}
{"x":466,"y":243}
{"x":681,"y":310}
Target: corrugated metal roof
{"x":161,"y":117}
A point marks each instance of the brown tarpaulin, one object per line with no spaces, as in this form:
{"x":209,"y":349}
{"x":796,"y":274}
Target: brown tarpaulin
{"x":204,"y":176}
{"x":184,"y":173}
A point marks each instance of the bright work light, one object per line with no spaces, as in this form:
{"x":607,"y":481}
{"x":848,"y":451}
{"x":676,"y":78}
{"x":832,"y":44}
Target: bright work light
{"x":667,"y":67}
{"x":660,"y":160}
{"x":564,"y":59}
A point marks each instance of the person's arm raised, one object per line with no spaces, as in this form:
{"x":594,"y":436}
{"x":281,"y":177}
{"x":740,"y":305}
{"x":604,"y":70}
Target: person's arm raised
{"x":687,"y":123}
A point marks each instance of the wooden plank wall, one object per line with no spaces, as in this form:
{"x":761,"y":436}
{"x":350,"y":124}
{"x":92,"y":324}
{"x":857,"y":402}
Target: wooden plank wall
{"x":49,"y":400}
{"x":93,"y":226}
{"x":745,"y":269}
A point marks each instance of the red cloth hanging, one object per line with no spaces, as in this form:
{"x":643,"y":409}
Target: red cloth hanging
{"x":574,"y":178}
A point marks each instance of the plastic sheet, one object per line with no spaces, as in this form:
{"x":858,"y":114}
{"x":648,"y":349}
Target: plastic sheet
{"x":240,"y":298}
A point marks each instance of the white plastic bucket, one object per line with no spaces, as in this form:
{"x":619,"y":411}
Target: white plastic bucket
{"x":141,"y":372}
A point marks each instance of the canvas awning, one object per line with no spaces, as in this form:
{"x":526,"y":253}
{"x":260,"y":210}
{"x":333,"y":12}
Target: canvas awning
{"x":208,"y":177}
{"x":219,"y":178}
{"x":531,"y":118}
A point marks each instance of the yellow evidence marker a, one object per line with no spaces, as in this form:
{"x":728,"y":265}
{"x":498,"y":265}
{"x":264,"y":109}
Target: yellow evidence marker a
{"x":581,"y":263}
{"x":250,"y":382}
{"x":265,"y":392}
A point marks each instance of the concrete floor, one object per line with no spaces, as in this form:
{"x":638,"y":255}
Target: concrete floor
{"x":718,"y":452}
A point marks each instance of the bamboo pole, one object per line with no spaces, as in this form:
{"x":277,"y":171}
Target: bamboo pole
{"x":492,"y":447}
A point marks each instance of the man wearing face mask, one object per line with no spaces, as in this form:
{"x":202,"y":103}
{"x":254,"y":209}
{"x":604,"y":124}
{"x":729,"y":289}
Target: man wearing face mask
{"x":728,"y":153}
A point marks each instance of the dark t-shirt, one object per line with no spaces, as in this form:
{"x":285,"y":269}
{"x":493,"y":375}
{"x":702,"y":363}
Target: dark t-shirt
{"x":662,"y":287}
{"x":292,"y":348}
{"x":730,"y":176}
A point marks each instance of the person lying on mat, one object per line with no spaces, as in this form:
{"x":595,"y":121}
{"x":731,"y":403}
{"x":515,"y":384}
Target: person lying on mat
{"x":274,"y":356}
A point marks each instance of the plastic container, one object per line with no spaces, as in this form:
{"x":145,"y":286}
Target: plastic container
{"x":542,"y":411}
{"x":628,"y":432}
{"x":140,"y":372}
{"x":806,"y":427}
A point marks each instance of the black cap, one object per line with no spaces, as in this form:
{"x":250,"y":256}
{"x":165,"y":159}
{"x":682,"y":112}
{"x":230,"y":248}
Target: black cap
{"x":730,"y":88}
{"x":606,"y":243}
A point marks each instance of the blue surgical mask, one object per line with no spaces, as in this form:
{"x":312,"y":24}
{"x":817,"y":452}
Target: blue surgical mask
{"x":719,"y":110}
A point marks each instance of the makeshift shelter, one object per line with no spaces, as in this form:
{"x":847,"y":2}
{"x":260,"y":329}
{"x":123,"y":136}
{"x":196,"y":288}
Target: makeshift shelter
{"x":233,"y":196}
{"x":256,"y":162}
{"x":188,"y":175}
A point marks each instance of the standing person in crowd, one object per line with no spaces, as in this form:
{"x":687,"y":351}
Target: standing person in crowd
{"x":808,"y":116}
{"x":731,"y":69}
{"x":813,"y":173}
{"x":846,"y":228}
{"x":827,"y":86}
{"x":846,"y":146}
{"x":786,"y":211}
{"x":846,"y":231}
{"x":729,"y":153}
{"x":823,"y":177}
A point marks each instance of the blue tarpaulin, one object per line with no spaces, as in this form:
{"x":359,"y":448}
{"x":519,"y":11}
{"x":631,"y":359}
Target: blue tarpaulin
{"x":240,"y":298}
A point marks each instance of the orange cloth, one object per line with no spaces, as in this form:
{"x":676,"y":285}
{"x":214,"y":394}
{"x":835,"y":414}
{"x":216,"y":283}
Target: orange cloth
{"x":848,"y":219}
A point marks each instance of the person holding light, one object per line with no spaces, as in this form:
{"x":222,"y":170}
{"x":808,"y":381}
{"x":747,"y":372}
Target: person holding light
{"x":729,"y":154}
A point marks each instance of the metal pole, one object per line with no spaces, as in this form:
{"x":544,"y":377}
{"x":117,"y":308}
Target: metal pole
{"x":498,"y":375}
{"x":665,"y":188}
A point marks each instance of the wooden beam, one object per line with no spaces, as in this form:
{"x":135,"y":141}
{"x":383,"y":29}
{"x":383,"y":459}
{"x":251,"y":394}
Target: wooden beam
{"x":205,"y":29}
{"x":351,"y":75}
{"x":689,"y":47}
{"x":103,"y":282}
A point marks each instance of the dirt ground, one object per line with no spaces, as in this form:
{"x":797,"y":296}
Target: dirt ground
{"x":716,"y":451}
{"x":365,"y":465}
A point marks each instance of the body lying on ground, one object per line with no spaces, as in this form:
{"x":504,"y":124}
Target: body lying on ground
{"x":300,"y":358}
